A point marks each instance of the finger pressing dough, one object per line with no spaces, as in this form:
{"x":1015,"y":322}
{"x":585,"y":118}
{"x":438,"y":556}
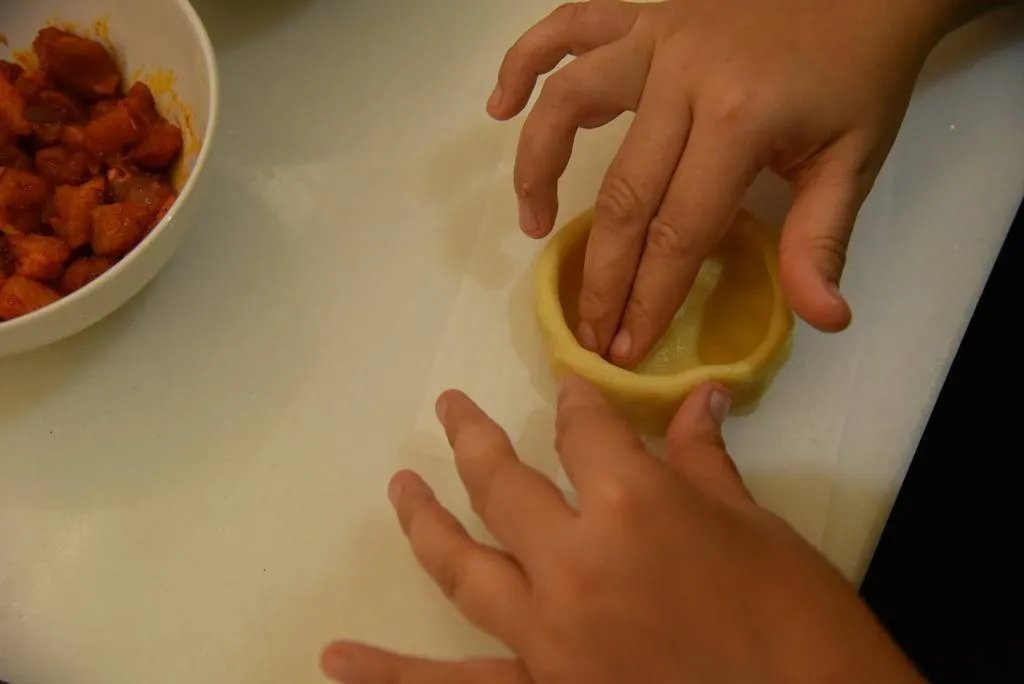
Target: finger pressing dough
{"x":734,"y":326}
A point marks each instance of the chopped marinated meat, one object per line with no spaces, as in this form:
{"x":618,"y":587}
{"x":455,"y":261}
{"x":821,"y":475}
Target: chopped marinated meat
{"x":159,"y":147}
{"x":13,"y":157}
{"x":117,"y":228}
{"x":164,"y":208}
{"x":20,"y":296}
{"x":12,"y":109}
{"x":142,"y":103}
{"x":47,"y":133}
{"x":7,"y":258}
{"x":65,"y":165}
{"x":39,"y":257}
{"x":21,"y":188}
{"x":83,"y":170}
{"x":10,"y":71}
{"x":53,"y":106}
{"x":22,"y":196}
{"x":80,"y":65}
{"x":73,"y":208}
{"x":101,"y":107}
{"x":7,"y":136}
{"x":83,"y":271}
{"x":149,"y":191}
{"x":31,"y":82}
{"x":73,"y":136}
{"x":112,"y":132}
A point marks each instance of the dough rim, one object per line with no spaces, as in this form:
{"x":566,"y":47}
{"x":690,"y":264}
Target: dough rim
{"x":565,"y":351}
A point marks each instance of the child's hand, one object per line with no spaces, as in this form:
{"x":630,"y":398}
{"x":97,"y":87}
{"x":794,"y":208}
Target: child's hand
{"x":668,"y":573}
{"x":722,"y":89}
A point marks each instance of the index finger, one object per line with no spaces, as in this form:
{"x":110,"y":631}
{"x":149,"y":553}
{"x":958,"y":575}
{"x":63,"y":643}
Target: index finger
{"x":629,"y":196}
{"x":517,"y":503}
{"x":702,"y":200}
{"x":574,"y":28}
{"x":598,"y":449}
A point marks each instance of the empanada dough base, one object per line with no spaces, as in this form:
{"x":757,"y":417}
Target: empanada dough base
{"x":734,"y":326}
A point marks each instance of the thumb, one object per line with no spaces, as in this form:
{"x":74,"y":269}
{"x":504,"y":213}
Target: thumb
{"x":351,"y":663}
{"x":695,"y":446}
{"x":815,"y":236}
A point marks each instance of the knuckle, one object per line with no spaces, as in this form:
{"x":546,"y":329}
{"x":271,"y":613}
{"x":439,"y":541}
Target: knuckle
{"x":568,"y":12}
{"x":832,"y":248}
{"x":586,"y":577}
{"x":624,"y":498}
{"x":478,"y":438}
{"x":597,"y":301}
{"x":522,"y":184}
{"x":563,"y":89}
{"x":511,"y":62}
{"x":449,"y":579}
{"x":566,"y":420}
{"x":619,"y":202}
{"x":641,"y":311}
{"x":666,"y":237}
{"x":735,"y":107}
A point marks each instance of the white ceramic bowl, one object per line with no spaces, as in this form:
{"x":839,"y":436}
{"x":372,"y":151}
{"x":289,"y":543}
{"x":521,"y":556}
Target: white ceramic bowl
{"x":150,"y":37}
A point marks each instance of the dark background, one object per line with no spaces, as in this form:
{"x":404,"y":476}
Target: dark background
{"x":947,"y":578}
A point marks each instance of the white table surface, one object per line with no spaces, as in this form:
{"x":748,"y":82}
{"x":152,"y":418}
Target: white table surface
{"x":193,"y":490}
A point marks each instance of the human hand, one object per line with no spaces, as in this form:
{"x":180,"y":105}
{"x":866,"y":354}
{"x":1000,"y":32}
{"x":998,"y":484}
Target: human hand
{"x":814,"y":91}
{"x":668,"y":571}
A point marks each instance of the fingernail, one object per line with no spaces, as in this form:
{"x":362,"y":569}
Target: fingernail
{"x":395,"y":490}
{"x":718,"y":406}
{"x":496,"y":97}
{"x":441,"y":408}
{"x":622,"y":345}
{"x":527,"y":219}
{"x":587,"y":336}
{"x":340,"y":667}
{"x":834,"y":289}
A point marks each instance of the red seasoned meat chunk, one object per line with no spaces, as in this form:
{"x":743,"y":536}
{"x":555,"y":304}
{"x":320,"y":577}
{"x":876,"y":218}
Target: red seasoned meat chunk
{"x":77,"y":64}
{"x":159,"y":147}
{"x":20,"y":296}
{"x":22,"y":196}
{"x":73,"y":207}
{"x":149,"y":191}
{"x":8,"y":260}
{"x":39,"y":257}
{"x":83,"y":271}
{"x":12,"y":157}
{"x":140,"y":101}
{"x":117,"y":228}
{"x":10,"y":71}
{"x":31,"y":82}
{"x":62,"y":165}
{"x":107,"y":135}
{"x":53,"y":106}
{"x":12,"y":109}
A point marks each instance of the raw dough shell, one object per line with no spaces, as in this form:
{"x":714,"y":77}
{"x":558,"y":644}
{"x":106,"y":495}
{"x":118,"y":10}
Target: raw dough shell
{"x":734,"y":327}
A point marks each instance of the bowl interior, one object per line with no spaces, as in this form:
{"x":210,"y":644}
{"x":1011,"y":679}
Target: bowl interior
{"x":725,"y":318}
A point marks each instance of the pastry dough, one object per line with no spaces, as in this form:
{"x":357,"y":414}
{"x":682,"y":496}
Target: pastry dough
{"x":734,"y":326}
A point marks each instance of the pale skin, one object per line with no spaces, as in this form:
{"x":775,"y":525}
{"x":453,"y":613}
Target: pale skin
{"x":722,"y":89}
{"x":668,"y":571}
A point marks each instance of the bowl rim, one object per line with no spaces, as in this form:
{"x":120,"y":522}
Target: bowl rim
{"x":563,"y":347}
{"x":210,"y":60}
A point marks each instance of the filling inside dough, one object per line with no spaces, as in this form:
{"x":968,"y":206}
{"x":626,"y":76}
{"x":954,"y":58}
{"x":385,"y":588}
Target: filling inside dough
{"x":723,"y":320}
